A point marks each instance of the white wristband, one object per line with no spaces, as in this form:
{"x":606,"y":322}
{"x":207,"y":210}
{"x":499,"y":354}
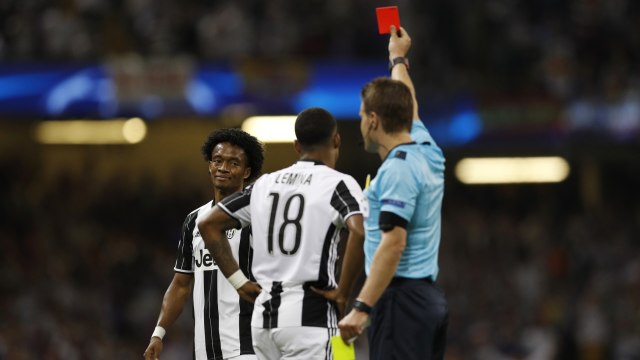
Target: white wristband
{"x":159,"y":332}
{"x":237,"y":279}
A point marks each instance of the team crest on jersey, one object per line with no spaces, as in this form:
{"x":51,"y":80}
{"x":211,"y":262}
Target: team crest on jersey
{"x":230,"y":234}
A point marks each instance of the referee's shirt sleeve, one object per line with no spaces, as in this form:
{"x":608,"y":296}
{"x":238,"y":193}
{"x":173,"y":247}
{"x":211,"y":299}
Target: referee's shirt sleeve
{"x":398,"y":191}
{"x":238,"y":206}
{"x":184,"y":260}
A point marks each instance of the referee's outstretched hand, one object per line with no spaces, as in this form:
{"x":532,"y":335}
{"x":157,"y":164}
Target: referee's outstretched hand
{"x":399,"y":42}
{"x":336,"y":296}
{"x":154,"y":349}
{"x":249,"y":291}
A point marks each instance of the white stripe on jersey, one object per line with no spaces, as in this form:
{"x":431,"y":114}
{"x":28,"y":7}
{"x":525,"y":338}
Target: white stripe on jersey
{"x":296,"y":215}
{"x":220,"y":331}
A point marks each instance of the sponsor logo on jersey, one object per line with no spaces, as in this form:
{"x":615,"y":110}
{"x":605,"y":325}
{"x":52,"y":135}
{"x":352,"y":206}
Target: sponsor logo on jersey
{"x":204,"y":259}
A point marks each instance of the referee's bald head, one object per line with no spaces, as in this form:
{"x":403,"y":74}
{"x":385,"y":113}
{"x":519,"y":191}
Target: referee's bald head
{"x":315,"y":126}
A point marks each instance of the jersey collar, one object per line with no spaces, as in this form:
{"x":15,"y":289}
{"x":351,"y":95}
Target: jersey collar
{"x":393,"y":148}
{"x":315,"y":162}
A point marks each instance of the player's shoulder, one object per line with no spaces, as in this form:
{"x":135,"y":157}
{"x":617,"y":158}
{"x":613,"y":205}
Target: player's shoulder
{"x":199,"y":209}
{"x":193,"y":214}
{"x":338,"y":177}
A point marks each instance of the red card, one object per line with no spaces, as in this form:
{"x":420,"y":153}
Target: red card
{"x":387,"y":16}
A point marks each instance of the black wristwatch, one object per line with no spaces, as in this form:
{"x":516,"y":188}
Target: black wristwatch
{"x":398,"y":60}
{"x":362,"y":306}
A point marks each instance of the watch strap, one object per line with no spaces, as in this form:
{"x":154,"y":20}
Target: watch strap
{"x":398,"y":60}
{"x":362,"y":306}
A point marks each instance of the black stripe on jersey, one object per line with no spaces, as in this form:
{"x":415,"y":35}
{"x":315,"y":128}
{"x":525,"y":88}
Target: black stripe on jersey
{"x":314,"y":306}
{"x":343,"y":201}
{"x":238,"y":200}
{"x":328,"y":348}
{"x":245,"y":258}
{"x":325,"y":264}
{"x":185,"y":246}
{"x":211,"y":320}
{"x":270,"y":313}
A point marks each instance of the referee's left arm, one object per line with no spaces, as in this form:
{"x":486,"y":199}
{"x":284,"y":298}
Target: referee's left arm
{"x":383,"y":267}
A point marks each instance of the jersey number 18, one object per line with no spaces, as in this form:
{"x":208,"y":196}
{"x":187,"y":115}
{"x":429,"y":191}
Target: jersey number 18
{"x":289,"y":220}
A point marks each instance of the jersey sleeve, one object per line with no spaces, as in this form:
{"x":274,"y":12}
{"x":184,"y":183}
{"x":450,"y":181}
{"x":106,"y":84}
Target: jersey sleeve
{"x":398,"y":189}
{"x":347,"y":198}
{"x":238,"y":206}
{"x":184,"y":260}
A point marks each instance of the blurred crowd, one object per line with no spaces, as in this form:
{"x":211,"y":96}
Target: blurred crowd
{"x":582,"y":54}
{"x":568,"y":47}
{"x":529,"y":273}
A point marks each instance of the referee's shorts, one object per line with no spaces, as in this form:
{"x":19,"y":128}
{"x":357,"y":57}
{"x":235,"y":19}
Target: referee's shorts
{"x":409,"y":321}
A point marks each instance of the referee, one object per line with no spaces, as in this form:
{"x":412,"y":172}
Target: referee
{"x":408,"y":312}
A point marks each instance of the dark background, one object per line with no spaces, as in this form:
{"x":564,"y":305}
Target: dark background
{"x":88,"y":234}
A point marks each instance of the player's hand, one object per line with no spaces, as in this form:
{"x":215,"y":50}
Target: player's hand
{"x":249,"y":291}
{"x":353,"y":325}
{"x":335,"y":296}
{"x":154,"y":349}
{"x":399,"y":43}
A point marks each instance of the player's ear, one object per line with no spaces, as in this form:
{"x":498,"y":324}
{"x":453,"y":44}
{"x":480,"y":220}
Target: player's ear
{"x":336,"y":140}
{"x":247,"y":173}
{"x":297,"y":147}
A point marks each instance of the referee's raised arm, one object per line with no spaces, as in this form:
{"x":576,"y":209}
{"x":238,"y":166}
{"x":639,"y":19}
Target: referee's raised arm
{"x":399,"y":45}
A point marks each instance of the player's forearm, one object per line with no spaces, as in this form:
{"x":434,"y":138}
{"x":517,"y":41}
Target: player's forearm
{"x":212,"y":228}
{"x":384,"y":265}
{"x":401,"y":73}
{"x":352,"y":264}
{"x":172,"y":304}
{"x":218,"y":245}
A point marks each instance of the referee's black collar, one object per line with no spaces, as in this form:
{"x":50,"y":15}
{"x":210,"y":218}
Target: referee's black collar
{"x":393,"y":148}
{"x":315,"y":162}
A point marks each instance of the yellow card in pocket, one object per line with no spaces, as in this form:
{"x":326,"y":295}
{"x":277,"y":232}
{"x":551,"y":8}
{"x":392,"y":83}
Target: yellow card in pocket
{"x":342,"y":351}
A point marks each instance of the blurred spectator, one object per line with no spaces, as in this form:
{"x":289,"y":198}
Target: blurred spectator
{"x":81,"y":265}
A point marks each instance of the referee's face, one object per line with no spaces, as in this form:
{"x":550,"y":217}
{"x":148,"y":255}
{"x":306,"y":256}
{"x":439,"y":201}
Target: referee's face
{"x":365,"y":129}
{"x":228,"y":167}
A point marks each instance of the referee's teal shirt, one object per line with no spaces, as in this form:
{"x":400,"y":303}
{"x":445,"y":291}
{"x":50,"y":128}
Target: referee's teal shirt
{"x":410,"y":184}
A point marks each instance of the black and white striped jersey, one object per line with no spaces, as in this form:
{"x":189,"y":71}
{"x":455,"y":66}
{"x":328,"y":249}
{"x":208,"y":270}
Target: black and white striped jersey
{"x":296,"y":215}
{"x":222,"y":319}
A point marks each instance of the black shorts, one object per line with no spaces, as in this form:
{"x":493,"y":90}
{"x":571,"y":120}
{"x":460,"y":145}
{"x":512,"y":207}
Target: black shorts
{"x":409,"y":321}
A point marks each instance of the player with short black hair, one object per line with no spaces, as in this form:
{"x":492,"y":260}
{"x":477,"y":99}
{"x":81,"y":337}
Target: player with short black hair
{"x":296,"y":214}
{"x":222,"y":320}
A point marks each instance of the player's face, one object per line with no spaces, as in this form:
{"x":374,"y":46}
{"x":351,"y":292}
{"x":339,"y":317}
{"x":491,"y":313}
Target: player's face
{"x":228,"y":167}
